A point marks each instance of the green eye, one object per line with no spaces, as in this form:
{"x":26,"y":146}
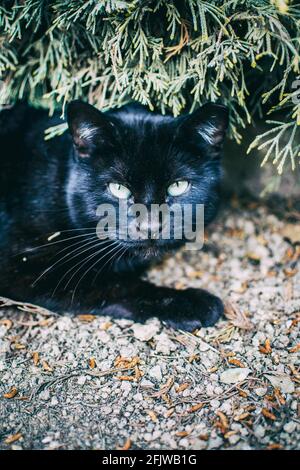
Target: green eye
{"x":119,"y":191}
{"x":178,"y":188}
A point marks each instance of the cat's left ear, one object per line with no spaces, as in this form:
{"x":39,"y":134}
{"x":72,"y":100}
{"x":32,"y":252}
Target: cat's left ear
{"x":88,"y":126}
{"x":208,"y":124}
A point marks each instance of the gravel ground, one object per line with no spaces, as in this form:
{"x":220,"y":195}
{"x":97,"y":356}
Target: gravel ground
{"x":96,"y":383}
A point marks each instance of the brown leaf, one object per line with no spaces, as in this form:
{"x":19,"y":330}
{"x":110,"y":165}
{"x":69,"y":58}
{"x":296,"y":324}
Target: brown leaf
{"x":129,"y":378}
{"x":290,"y":272}
{"x":19,"y":346}
{"x":274,"y":446}
{"x":295,"y":348}
{"x":266,"y":349}
{"x":86,"y":318}
{"x":152,"y":415}
{"x":268,"y":414}
{"x":203,"y":437}
{"x":36,"y":358}
{"x":236,"y":362}
{"x":241,"y":416}
{"x":164,"y":389}
{"x":92,"y":363}
{"x":138,"y":373}
{"x":126,"y":446}
{"x":236,"y":316}
{"x":223,"y":424}
{"x":169,"y":413}
{"x":194,"y":408}
{"x":46,"y":367}
{"x":11,"y":394}
{"x":279,"y":396}
{"x":182,"y":387}
{"x":13,"y":438}
{"x":181,"y":433}
{"x":105,"y":326}
{"x":126,"y":363}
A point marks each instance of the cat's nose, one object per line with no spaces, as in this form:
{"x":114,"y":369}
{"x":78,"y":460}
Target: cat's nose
{"x":149,"y":230}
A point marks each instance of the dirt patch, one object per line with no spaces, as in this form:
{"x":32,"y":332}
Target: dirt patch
{"x":92,"y":382}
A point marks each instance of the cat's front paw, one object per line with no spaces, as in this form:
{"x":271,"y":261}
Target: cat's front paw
{"x":194,"y":308}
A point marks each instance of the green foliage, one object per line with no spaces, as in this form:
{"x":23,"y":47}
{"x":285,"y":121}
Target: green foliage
{"x":171,"y":55}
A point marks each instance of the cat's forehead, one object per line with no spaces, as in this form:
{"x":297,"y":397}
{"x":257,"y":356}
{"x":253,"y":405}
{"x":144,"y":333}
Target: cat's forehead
{"x":145,"y":144}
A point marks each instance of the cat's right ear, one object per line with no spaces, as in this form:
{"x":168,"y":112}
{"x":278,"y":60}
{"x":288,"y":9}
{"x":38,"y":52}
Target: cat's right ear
{"x":88,"y":126}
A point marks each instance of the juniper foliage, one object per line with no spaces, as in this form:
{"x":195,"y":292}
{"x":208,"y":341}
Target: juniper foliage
{"x":171,"y":55}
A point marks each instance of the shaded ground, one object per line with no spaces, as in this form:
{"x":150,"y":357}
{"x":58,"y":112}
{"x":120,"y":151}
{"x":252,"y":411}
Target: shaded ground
{"x":95,"y":383}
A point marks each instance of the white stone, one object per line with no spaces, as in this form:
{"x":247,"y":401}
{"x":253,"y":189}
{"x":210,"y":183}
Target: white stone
{"x":163,"y":344}
{"x":290,"y":427}
{"x":145,"y":332}
{"x":232,"y":376}
{"x":155,"y":373}
{"x":283,"y":382}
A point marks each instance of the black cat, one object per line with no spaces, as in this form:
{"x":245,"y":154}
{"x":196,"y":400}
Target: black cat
{"x":49,"y":194}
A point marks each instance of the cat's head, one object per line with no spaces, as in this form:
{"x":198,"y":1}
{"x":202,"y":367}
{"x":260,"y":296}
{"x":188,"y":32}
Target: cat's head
{"x":131,"y":156}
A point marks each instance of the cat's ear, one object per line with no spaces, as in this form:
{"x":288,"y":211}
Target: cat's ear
{"x":208,"y":124}
{"x":88,"y":127}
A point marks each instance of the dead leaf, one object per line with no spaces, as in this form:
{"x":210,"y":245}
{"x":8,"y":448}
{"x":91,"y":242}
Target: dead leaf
{"x":236,"y":362}
{"x":164,"y":389}
{"x":275,"y":446}
{"x":203,"y":437}
{"x":126,"y":363}
{"x":11,"y":394}
{"x":129,"y":378}
{"x":138,"y":373}
{"x":152,"y":415}
{"x":290,"y":272}
{"x":181,"y":433}
{"x":126,"y":446}
{"x":241,"y":416}
{"x":236,"y":316}
{"x":279,"y":397}
{"x":36,"y":358}
{"x":268,"y":414}
{"x":295,"y":348}
{"x":266,"y":349}
{"x":182,"y":387}
{"x":169,"y":413}
{"x":13,"y":438}
{"x":194,"y":408}
{"x":86,"y":318}
{"x":195,"y":274}
{"x":19,"y":346}
{"x":92,"y":363}
{"x":46,"y":367}
{"x":223,"y":423}
{"x":105,"y":326}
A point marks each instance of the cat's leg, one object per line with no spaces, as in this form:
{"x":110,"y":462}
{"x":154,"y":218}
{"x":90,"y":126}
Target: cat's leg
{"x":186,"y":309}
{"x":120,"y":297}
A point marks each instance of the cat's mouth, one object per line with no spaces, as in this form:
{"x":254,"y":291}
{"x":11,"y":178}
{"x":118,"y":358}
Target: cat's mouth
{"x":152,"y":248}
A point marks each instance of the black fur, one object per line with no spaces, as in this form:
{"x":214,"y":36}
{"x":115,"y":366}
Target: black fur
{"x":56,"y":185}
